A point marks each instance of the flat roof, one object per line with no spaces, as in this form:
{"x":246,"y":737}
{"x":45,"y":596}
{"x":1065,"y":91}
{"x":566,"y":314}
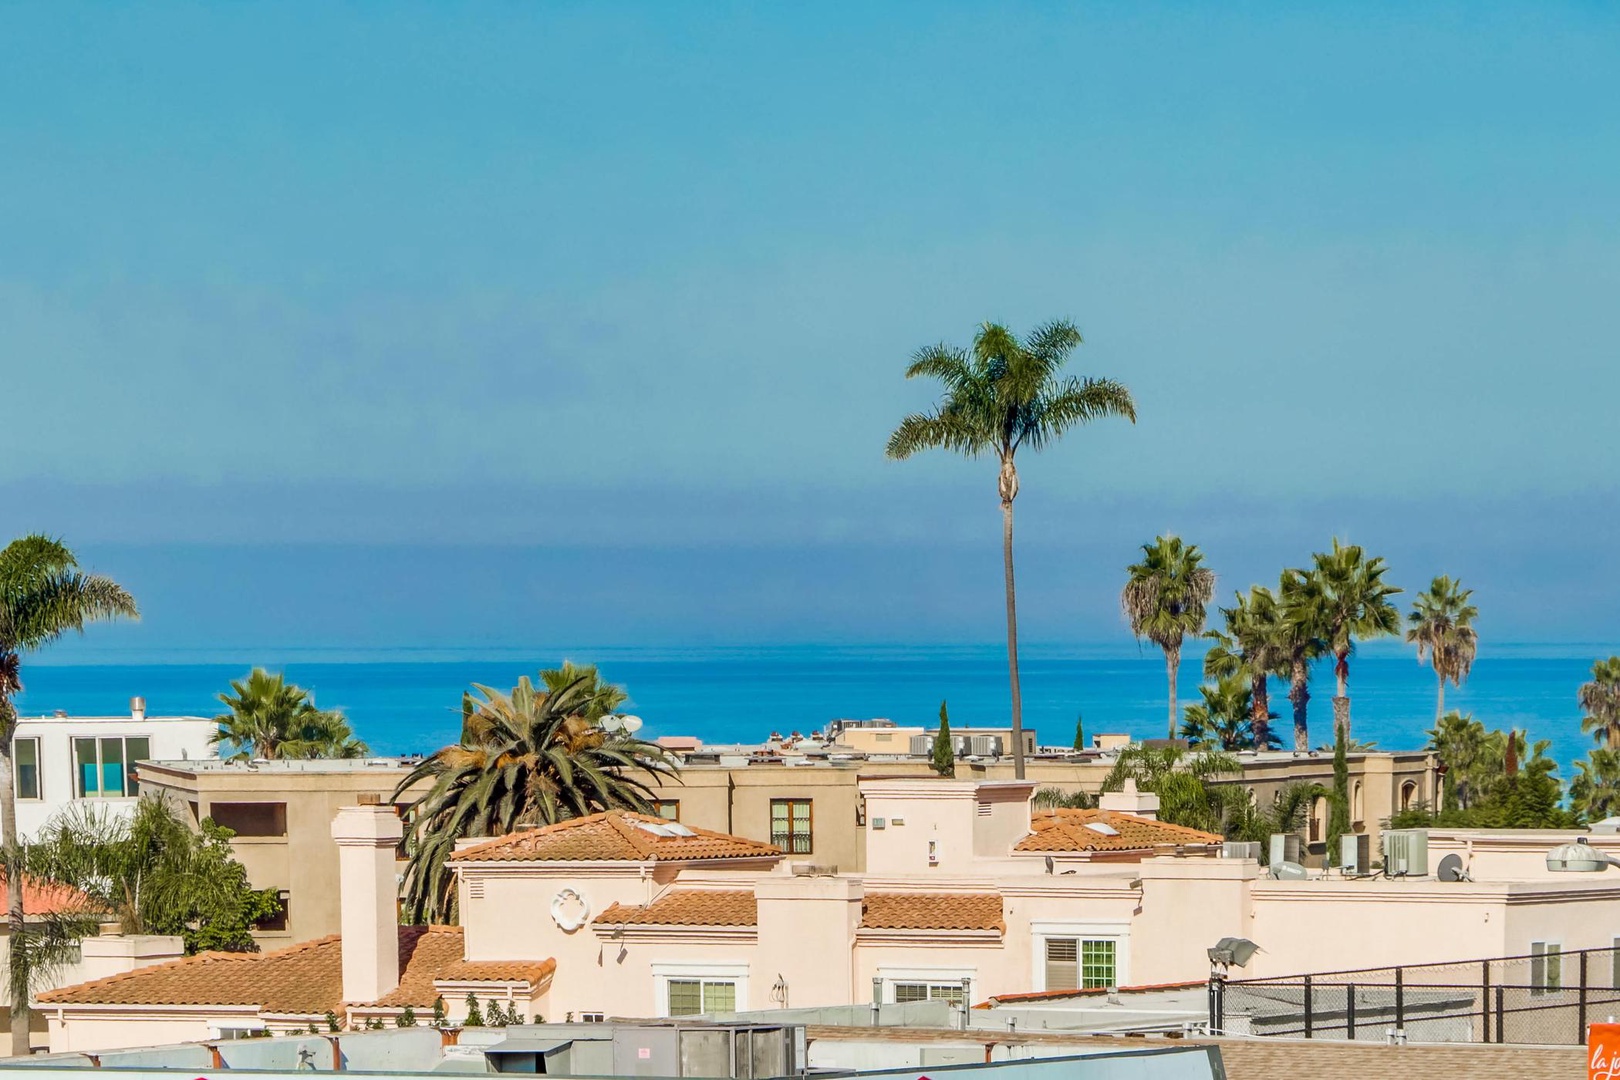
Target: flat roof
{"x":288,"y":765}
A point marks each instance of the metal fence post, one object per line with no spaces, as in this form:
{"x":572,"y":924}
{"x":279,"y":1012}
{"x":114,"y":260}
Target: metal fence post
{"x":1400,"y":1002}
{"x":1500,"y":995}
{"x":1217,"y":1005}
{"x":1580,"y":1029}
{"x":1350,"y":1011}
{"x":1309,"y":1019}
{"x":1485,"y":1001}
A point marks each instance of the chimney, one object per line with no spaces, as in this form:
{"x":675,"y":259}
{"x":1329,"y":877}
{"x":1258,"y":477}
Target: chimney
{"x":368,"y":894}
{"x":137,"y":709}
{"x":1143,"y":804}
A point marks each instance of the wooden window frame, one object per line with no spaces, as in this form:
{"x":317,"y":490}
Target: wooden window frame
{"x":791,"y":847}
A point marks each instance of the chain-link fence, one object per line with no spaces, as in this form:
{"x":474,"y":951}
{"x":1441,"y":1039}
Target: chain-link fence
{"x":1545,"y":998}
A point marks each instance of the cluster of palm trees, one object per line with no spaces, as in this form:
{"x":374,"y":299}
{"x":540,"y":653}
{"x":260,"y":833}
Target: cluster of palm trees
{"x":1318,"y":611}
{"x":267,"y":717}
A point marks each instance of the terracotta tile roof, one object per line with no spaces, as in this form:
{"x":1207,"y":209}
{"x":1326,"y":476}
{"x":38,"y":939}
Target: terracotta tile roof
{"x":1069,"y":830}
{"x":304,"y":980}
{"x":40,"y":897}
{"x":689,"y":907}
{"x":533,"y":972}
{"x":932,"y":911}
{"x":615,"y":836}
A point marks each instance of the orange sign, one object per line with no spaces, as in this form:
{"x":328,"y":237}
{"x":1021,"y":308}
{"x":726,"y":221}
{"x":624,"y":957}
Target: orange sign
{"x":1603,"y":1052}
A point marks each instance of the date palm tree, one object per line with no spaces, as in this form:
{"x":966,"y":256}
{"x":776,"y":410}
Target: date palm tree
{"x":43,"y":595}
{"x":1001,"y":395}
{"x":1253,"y":644}
{"x":1303,"y":637}
{"x":1224,"y":719}
{"x":1601,"y":700}
{"x":1441,"y":625}
{"x":1164,"y":600}
{"x":269,"y":717}
{"x":1355,"y":605}
{"x":530,"y":757}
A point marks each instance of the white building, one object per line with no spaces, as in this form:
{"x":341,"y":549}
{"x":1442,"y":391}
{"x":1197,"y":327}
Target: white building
{"x":63,"y":759}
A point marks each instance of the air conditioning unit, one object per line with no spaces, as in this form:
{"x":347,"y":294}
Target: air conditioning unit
{"x":1285,"y":847}
{"x":985,"y":745}
{"x":922,"y":745}
{"x":1244,"y":849}
{"x":1406,"y":853}
{"x":1355,"y":854}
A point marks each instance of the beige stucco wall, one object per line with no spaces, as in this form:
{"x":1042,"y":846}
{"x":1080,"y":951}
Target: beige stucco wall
{"x":112,"y":1029}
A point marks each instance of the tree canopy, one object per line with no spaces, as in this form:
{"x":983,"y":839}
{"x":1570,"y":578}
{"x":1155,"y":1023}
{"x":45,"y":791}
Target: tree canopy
{"x":268,"y":717}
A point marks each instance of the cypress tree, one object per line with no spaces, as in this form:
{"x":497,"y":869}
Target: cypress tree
{"x":1079,"y":732}
{"x":1339,"y":801}
{"x":943,"y":758}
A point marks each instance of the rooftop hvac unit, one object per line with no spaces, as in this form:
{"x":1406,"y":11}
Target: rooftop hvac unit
{"x":985,"y":745}
{"x":922,"y":745}
{"x":1355,"y":854}
{"x":1285,"y":847}
{"x":1406,"y":853}
{"x":1246,"y":849}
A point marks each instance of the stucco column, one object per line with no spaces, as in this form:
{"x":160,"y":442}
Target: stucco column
{"x":367,"y":837}
{"x":807,"y":938}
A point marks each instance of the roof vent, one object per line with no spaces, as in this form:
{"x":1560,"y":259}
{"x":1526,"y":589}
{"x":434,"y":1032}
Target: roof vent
{"x":1102,"y":827}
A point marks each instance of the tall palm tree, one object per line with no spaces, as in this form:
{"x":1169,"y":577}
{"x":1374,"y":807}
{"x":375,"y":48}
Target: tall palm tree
{"x":1252,"y":644}
{"x":1302,"y":634}
{"x":530,"y":757}
{"x":269,"y":717}
{"x":1601,"y":700}
{"x":1594,"y":792}
{"x":601,"y":698}
{"x":43,"y":595}
{"x":1355,"y":604}
{"x":1441,"y":625}
{"x":1000,"y":395}
{"x":1164,"y":600}
{"x":1224,"y":719}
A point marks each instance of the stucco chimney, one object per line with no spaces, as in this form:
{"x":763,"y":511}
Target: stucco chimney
{"x":1130,"y":801}
{"x":369,"y":897}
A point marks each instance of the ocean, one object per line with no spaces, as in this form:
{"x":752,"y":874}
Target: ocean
{"x":405,"y":701}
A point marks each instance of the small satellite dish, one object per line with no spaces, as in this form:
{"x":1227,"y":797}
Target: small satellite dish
{"x":1289,"y":871}
{"x":1450,"y":868}
{"x":632,"y":724}
{"x":612,"y":722}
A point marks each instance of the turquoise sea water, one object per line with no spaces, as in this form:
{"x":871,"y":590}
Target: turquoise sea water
{"x":402,"y":702}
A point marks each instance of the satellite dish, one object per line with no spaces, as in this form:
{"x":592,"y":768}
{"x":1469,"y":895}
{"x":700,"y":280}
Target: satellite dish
{"x":612,"y":722}
{"x":1289,"y":871}
{"x":1450,"y":868}
{"x":632,"y":724}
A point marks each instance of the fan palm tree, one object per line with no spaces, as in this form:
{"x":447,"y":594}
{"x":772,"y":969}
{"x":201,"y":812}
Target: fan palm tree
{"x":1355,"y":605}
{"x":1302,"y":634}
{"x":1224,"y":720}
{"x":1003,"y":394}
{"x":1472,"y":757}
{"x":43,"y":595}
{"x":1165,"y":599}
{"x":1601,"y":700}
{"x":530,"y":757}
{"x":1253,"y":645}
{"x":1441,"y":625}
{"x":271,"y":718}
{"x":1594,"y":793}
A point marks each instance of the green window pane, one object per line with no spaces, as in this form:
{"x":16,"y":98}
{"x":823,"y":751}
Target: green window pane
{"x":719,"y":997}
{"x":112,"y":767}
{"x":1096,"y":964}
{"x":685,"y":997}
{"x":86,"y":771}
{"x":779,"y":816}
{"x":25,"y":752}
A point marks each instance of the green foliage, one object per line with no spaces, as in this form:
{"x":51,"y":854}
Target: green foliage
{"x":530,"y":757}
{"x":1079,"y":732}
{"x":1472,"y":756}
{"x":154,"y":874}
{"x":1182,"y":781}
{"x":1354,"y":602}
{"x":1508,"y":789}
{"x":494,"y":1016}
{"x":599,"y":698}
{"x":438,"y":1012}
{"x":374,"y":1023}
{"x":332,"y":1021}
{"x":1600,"y":699}
{"x":1301,"y":637}
{"x":475,"y":1015}
{"x":269,"y":718}
{"x":1164,"y":601}
{"x":1441,"y":625}
{"x":1594,"y":791}
{"x":1288,"y":812}
{"x":1251,"y":644}
{"x":1055,"y":798}
{"x":943,"y":758}
{"x":1339,"y":801}
{"x":1224,"y":720}
{"x":313,"y":1030}
{"x":406,"y":1018}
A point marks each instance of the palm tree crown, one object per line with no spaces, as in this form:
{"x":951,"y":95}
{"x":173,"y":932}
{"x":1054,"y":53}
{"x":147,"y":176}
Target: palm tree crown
{"x":1601,"y":700}
{"x":1594,"y":791}
{"x":531,"y":757}
{"x":1000,"y":395}
{"x":43,"y":595}
{"x":1253,"y":644}
{"x":1224,"y":719}
{"x":1165,"y":600}
{"x":271,"y":718}
{"x":1441,"y":625}
{"x":600,"y":698}
{"x":1355,"y":604}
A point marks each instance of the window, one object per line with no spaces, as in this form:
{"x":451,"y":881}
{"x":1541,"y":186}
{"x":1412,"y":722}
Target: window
{"x":668,"y":809}
{"x":25,"y":754}
{"x":1545,"y":966}
{"x":790,"y":825}
{"x":688,"y":997}
{"x":251,"y":818}
{"x":917,"y":991}
{"x":1408,"y":792}
{"x":1079,"y":963}
{"x":1358,"y":816}
{"x":102,"y":767}
{"x":276,"y":923}
{"x":592,"y":1017}
{"x":1319,"y":814}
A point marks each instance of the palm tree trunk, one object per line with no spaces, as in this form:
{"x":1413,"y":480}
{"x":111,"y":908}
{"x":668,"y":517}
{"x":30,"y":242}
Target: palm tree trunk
{"x":1440,"y":699}
{"x":1172,"y":664}
{"x":1259,"y":711}
{"x":1012,"y":634}
{"x":1299,"y":693}
{"x":20,"y":1044}
{"x":1341,"y":700}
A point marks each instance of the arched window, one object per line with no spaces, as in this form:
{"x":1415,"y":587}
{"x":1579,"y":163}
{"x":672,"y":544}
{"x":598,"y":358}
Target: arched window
{"x":1319,"y":816}
{"x":1357,"y":810}
{"x":1408,"y":793}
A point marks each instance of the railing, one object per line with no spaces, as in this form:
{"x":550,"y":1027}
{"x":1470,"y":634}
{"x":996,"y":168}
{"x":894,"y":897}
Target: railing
{"x":792,"y":843}
{"x":1516,"y":999}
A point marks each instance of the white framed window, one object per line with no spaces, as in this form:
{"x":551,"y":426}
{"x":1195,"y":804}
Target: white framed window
{"x":1080,"y":956}
{"x":687,"y":989}
{"x":1546,"y":966}
{"x":592,"y":1017}
{"x":905,"y":984}
{"x":104,"y":767}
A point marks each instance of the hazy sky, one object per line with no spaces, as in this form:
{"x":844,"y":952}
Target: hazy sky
{"x":391,"y":324}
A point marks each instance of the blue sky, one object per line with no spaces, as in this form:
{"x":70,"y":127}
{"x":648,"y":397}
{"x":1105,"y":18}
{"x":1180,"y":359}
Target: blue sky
{"x":367,"y":325}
